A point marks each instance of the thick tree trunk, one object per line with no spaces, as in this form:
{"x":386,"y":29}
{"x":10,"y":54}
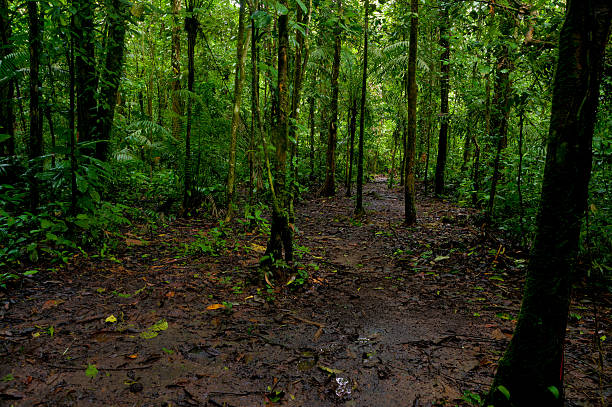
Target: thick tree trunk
{"x":71,"y":127}
{"x":531,"y":370}
{"x":86,"y":76}
{"x":111,"y":75}
{"x":444,"y":88}
{"x":329,"y":186}
{"x":359,"y":199}
{"x":409,"y":188}
{"x":35,"y":142}
{"x":175,"y":59}
{"x":7,"y":88}
{"x":241,"y":51}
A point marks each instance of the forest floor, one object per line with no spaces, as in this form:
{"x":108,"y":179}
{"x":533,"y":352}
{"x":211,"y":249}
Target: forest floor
{"x":389,"y":316}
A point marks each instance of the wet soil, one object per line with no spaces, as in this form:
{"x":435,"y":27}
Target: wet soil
{"x":388,"y":315}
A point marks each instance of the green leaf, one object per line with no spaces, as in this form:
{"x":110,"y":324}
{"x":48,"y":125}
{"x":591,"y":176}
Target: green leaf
{"x":503,"y":390}
{"x":302,"y":6}
{"x":30,"y":272}
{"x":91,"y":371}
{"x":8,"y":378}
{"x":46,"y":224}
{"x":554,"y":391}
{"x":153,"y":331}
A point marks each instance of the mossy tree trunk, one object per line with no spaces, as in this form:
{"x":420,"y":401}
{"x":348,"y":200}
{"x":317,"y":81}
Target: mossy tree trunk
{"x":281,"y":235}
{"x":531,"y":370}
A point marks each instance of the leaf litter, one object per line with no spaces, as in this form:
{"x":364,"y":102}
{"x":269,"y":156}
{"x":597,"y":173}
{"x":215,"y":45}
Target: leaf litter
{"x":385,"y":316}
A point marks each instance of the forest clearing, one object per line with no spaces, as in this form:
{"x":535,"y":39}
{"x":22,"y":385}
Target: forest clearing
{"x":305,"y":202}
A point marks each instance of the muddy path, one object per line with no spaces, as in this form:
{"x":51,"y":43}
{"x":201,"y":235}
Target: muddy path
{"x":388,"y":316}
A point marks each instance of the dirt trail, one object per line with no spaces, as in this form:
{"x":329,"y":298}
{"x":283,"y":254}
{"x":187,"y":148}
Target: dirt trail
{"x":389,"y":316}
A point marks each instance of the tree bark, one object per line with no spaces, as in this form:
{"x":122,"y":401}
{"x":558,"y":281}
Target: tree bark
{"x":35,"y":142}
{"x":111,"y":75}
{"x":531,"y":369}
{"x":444,"y":88}
{"x":329,"y":186}
{"x":352,"y":128}
{"x":281,"y":236}
{"x":7,"y":88}
{"x":500,"y":109}
{"x":85,"y":70}
{"x":241,"y":51}
{"x":409,"y":188}
{"x":191,"y":27}
{"x":359,"y":199}
{"x":175,"y":60}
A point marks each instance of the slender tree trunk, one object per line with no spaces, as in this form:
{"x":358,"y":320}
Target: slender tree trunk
{"x":393,"y":152}
{"x":444,"y":88}
{"x":86,"y":76}
{"x":352,"y":129}
{"x":500,"y":110}
{"x":359,"y":200}
{"x":311,"y":124}
{"x":302,"y":54}
{"x":329,"y":186}
{"x":519,"y":176}
{"x":241,"y":51}
{"x":111,"y":75}
{"x":71,"y":126}
{"x":255,"y":116}
{"x":7,"y":88}
{"x":281,"y":236}
{"x":531,"y":370}
{"x":409,"y":189}
{"x":175,"y":59}
{"x":35,"y":143}
{"x":191,"y":26}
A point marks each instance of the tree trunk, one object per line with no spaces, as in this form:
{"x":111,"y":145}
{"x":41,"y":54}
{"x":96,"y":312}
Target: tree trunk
{"x":444,"y":85}
{"x":35,"y":143}
{"x":71,"y":127}
{"x":255,"y":114}
{"x":241,"y":51}
{"x":191,"y":27}
{"x":352,"y":128}
{"x":86,"y":76}
{"x":7,"y":88}
{"x":500,"y":110}
{"x":359,"y":200}
{"x":329,"y":186}
{"x":281,"y":236}
{"x":531,"y":370}
{"x":302,"y":54}
{"x":111,"y":75}
{"x":175,"y":59}
{"x":409,"y":188}
{"x":311,"y":124}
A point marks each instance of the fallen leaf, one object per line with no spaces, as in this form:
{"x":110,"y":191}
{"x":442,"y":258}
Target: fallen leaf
{"x":51,"y":303}
{"x":111,"y":319}
{"x":134,"y":356}
{"x":215,"y":306}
